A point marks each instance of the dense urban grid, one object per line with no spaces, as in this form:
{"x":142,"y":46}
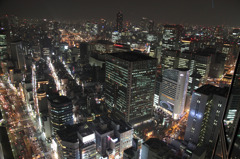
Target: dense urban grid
{"x":117,"y":90}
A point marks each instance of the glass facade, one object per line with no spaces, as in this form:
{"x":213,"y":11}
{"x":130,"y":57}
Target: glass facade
{"x":231,"y":119}
{"x":228,"y":145}
{"x":3,"y":45}
{"x":130,"y":86}
{"x":61,"y":112}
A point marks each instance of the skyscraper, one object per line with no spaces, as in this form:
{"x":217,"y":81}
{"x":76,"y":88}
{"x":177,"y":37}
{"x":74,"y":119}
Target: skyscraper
{"x":171,"y":37}
{"x":206,"y":111}
{"x":229,"y":137}
{"x":119,"y":21}
{"x":3,"y":45}
{"x":173,"y":91}
{"x":170,"y":59}
{"x":130,"y":80}
{"x":18,"y":54}
{"x":61,"y":112}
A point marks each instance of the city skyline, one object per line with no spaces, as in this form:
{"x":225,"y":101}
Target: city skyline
{"x":84,"y":80}
{"x":183,"y":12}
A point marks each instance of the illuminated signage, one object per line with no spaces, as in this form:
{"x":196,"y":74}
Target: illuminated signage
{"x":88,"y":138}
{"x":118,"y":45}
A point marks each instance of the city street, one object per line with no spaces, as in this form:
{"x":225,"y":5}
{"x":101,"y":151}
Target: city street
{"x":21,"y":127}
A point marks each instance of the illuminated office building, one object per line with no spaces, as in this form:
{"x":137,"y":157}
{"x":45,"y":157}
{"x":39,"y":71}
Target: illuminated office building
{"x":185,"y":59}
{"x":130,"y":81}
{"x":206,"y":111}
{"x":228,"y":145}
{"x":171,"y":37}
{"x":3,"y":45}
{"x":61,"y":112}
{"x":174,"y":91}
{"x":170,"y":59}
{"x":201,"y":65}
{"x":185,"y":44}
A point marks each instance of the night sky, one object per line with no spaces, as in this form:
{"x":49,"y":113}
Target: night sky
{"x":225,"y":12}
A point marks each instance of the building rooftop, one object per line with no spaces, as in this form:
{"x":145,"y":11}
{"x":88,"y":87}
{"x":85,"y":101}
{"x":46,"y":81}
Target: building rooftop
{"x":123,"y":126}
{"x":56,"y":99}
{"x":104,"y":42}
{"x":210,"y":89}
{"x":157,"y":146}
{"x":85,"y":131}
{"x":182,"y":69}
{"x":69,"y":134}
{"x":104,"y":128}
{"x":131,"y":56}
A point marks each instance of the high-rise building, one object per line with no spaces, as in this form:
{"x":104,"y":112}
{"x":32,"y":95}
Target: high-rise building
{"x":130,"y":81}
{"x":217,"y":65}
{"x":171,"y":37}
{"x":185,"y":59}
{"x":119,"y":21}
{"x":229,"y":137}
{"x":61,"y":112}
{"x":170,"y":59}
{"x":206,"y":111}
{"x":174,"y":91}
{"x":3,"y":45}
{"x":18,"y":54}
{"x":201,"y":65}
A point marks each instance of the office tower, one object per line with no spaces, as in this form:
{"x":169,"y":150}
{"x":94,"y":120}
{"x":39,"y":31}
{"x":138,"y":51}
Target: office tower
{"x":206,"y":111}
{"x":174,"y":91}
{"x":170,"y":59}
{"x":154,"y":148}
{"x":217,"y":65}
{"x":185,"y":59}
{"x":229,"y":141}
{"x":3,"y":45}
{"x":130,"y":82}
{"x":171,"y":37}
{"x":68,"y":142}
{"x":185,"y":44}
{"x":119,"y":21}
{"x":18,"y":54}
{"x":194,"y":82}
{"x":60,"y":111}
{"x":201,"y":65}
